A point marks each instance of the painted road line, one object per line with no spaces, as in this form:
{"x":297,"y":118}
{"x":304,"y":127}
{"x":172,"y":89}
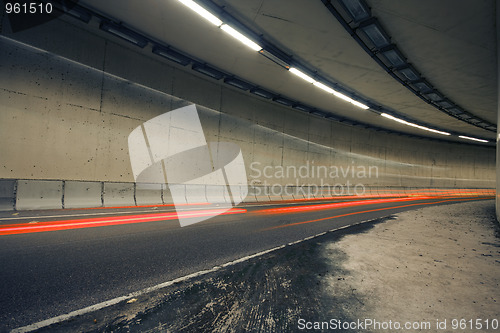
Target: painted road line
{"x":105,"y":304}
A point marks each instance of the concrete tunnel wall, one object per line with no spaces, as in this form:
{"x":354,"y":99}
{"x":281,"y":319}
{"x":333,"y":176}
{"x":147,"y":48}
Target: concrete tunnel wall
{"x":67,"y":113}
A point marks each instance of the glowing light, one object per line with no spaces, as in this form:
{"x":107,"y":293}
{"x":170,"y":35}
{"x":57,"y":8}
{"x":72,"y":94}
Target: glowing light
{"x":202,"y":12}
{"x":366,"y":211}
{"x":473,"y":139}
{"x":242,"y":38}
{"x":301,"y":75}
{"x":107,"y":221}
{"x":336,"y":205}
{"x":324,"y":87}
{"x":413,"y":125}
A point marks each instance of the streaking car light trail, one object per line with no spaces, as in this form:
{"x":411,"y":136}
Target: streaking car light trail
{"x":56,"y":225}
{"x":23,"y":228}
{"x":366,"y":211}
{"x":306,"y":208}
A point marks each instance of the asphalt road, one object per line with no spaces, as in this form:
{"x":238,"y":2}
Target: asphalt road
{"x":49,"y":273}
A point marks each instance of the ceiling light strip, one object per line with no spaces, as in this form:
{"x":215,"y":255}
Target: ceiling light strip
{"x":194,"y":6}
{"x":202,"y":12}
{"x":473,"y":139}
{"x":304,"y":76}
{"x":239,"y":36}
{"x":386,"y":115}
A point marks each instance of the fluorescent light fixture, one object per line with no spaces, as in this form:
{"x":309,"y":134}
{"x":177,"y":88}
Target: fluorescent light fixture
{"x":376,"y":34}
{"x":394,"y":57}
{"x":274,"y":58}
{"x":242,"y":38}
{"x":445,"y":104}
{"x":435,"y":97}
{"x":455,"y":110}
{"x":303,"y":108}
{"x":124,"y":33}
{"x":413,"y":125}
{"x":360,"y":105}
{"x":209,"y":71}
{"x":302,"y":75}
{"x":324,"y":87}
{"x":262,"y":93}
{"x":342,"y":96}
{"x":202,"y":12}
{"x":358,"y":9}
{"x":283,"y":101}
{"x":422,"y":86}
{"x":238,"y":83}
{"x":347,"y":122}
{"x":350,"y":100}
{"x":409,"y":73}
{"x":78,"y":12}
{"x":473,"y":139}
{"x":171,"y":55}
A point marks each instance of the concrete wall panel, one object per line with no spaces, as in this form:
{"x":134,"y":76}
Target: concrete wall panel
{"x":148,"y":194}
{"x":196,"y":89}
{"x":177,"y":194}
{"x":217,"y":194}
{"x":118,"y":194}
{"x":151,"y":73}
{"x":7,"y":194}
{"x":82,"y":194}
{"x":251,"y":194}
{"x":195,"y":194}
{"x":167,"y":196}
{"x":262,"y":193}
{"x":39,"y":194}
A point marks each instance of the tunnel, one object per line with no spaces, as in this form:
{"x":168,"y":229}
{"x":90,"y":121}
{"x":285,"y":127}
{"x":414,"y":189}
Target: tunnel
{"x":260,"y":165}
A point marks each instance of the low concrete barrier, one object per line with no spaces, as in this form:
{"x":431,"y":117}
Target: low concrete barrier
{"x":7,"y":194}
{"x":195,"y":194}
{"x":288,"y":193}
{"x":262,"y":194}
{"x":251,"y":194}
{"x":239,"y":193}
{"x":178,"y":192}
{"x":167,"y":196}
{"x":118,"y":194}
{"x":57,"y":194}
{"x":274,"y":195}
{"x":148,"y":194}
{"x":217,"y":194}
{"x":39,"y":194}
{"x":82,"y":194}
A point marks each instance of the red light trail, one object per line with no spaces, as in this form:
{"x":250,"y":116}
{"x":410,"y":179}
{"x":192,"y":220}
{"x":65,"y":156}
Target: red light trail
{"x":23,"y":228}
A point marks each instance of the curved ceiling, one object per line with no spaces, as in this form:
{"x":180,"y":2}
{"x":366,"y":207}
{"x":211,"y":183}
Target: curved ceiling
{"x":452,"y":43}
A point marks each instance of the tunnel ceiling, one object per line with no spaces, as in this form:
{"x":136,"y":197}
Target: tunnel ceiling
{"x":451,"y":43}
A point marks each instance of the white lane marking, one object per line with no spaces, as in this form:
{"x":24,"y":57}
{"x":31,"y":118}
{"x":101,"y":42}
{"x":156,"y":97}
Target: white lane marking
{"x":102,"y":305}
